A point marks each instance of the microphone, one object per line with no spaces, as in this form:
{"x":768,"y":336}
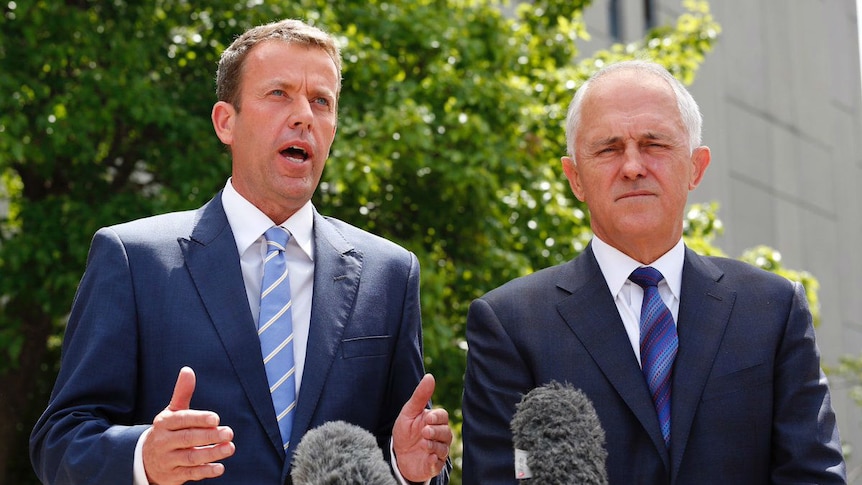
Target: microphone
{"x":339,"y":453}
{"x":558,"y":437}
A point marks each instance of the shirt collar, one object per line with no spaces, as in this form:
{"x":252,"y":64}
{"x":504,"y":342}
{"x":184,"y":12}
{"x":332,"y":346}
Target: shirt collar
{"x":616,"y":266}
{"x":248,"y":223}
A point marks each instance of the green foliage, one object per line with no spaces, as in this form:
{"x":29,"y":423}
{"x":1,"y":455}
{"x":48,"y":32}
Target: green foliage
{"x":849,"y":370}
{"x":700,"y":228}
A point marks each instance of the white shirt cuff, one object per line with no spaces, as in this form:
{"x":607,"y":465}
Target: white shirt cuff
{"x":140,"y":475}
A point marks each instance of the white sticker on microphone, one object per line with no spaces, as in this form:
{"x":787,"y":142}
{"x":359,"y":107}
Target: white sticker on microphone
{"x":522,"y":470}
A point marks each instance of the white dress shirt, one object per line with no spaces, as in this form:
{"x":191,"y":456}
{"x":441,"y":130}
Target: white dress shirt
{"x":616,"y":267}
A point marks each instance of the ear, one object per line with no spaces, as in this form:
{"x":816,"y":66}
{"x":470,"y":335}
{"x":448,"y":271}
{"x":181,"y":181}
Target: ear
{"x":223,"y":115}
{"x":700,"y":159}
{"x":571,"y":170}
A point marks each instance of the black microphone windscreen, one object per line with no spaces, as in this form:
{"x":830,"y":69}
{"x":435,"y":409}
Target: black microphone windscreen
{"x":340,"y":453}
{"x":559,"y":429}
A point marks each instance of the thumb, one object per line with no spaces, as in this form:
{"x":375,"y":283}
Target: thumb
{"x":183,"y":390}
{"x":421,"y":395}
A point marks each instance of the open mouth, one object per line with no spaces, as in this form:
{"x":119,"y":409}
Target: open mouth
{"x":295,"y":153}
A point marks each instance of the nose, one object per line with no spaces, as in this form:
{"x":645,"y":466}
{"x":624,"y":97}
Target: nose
{"x":633,"y":162}
{"x":301,"y":115}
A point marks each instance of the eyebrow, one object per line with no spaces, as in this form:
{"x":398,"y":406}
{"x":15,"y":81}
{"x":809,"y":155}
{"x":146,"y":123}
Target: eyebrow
{"x":278,"y":83}
{"x":611,"y":140}
{"x":656,"y":136}
{"x":290,"y":85}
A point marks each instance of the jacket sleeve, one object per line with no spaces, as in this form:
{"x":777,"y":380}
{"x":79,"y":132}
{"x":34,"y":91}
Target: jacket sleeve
{"x":806,"y":445}
{"x":87,"y":434}
{"x":494,"y":381}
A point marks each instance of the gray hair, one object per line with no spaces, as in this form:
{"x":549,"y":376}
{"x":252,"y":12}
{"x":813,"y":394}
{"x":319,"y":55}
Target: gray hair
{"x":688,"y":109}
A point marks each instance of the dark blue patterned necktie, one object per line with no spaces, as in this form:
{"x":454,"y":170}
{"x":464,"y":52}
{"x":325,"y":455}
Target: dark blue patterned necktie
{"x":658,"y":342}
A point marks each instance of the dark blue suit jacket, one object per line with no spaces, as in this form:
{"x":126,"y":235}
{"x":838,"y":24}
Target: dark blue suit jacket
{"x":750,"y":404}
{"x":167,"y":291}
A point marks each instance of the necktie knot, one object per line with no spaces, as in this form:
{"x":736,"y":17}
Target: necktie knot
{"x":646,"y":276}
{"x":276,"y":238}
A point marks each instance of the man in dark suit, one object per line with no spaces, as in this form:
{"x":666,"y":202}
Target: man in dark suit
{"x":167,"y":311}
{"x":739,"y":394}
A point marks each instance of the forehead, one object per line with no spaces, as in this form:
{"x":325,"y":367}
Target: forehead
{"x":283,"y":59}
{"x":630,"y":102}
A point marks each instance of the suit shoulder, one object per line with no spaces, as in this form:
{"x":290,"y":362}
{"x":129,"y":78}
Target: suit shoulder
{"x":150,"y":242}
{"x":162,"y":226}
{"x":364,"y":240}
{"x":746,"y":274}
{"x":528,"y":286}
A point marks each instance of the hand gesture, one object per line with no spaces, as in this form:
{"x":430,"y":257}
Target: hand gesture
{"x":184,"y":444}
{"x":421,"y":437}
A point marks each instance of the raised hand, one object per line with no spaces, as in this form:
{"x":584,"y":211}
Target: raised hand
{"x":185,"y":444}
{"x":421,"y":437}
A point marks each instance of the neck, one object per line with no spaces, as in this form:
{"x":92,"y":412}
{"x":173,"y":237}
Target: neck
{"x":645,"y":251}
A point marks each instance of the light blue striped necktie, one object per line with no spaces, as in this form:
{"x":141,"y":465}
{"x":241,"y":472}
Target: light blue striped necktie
{"x":658,"y":342}
{"x":275,"y":329}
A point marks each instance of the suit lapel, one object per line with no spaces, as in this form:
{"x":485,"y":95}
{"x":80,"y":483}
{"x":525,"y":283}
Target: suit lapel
{"x":704,"y":311}
{"x":212,"y":260}
{"x":592,"y":315}
{"x":337,"y":267}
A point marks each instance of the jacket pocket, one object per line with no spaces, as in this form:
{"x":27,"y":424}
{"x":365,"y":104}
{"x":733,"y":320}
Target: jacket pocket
{"x":755,"y":377}
{"x":370,"y":346}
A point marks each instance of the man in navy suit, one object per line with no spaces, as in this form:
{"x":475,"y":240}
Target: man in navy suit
{"x":162,"y":377}
{"x":747,"y":401}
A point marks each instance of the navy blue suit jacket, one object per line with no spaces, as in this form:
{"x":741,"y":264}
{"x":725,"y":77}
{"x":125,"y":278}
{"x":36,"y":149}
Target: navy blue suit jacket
{"x":167,"y":291}
{"x":750,"y":404}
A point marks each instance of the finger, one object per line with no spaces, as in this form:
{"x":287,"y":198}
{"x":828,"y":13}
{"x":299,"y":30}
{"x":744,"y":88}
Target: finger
{"x":437,"y":417}
{"x":190,"y":418}
{"x":441,"y":433}
{"x":203,"y":455}
{"x":183,"y":390}
{"x":438,"y":449}
{"x":200,"y":472}
{"x":421,"y":395}
{"x":202,"y":437}
{"x":435,"y":464}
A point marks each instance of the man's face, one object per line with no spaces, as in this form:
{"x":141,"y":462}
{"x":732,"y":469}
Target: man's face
{"x":281,"y":136}
{"x":634,"y":168}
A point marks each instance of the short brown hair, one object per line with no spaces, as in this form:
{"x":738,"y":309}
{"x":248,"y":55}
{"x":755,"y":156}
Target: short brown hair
{"x":230,"y":65}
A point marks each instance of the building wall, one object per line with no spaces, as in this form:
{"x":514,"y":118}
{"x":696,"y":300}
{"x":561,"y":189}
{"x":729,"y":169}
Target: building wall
{"x":781,"y":96}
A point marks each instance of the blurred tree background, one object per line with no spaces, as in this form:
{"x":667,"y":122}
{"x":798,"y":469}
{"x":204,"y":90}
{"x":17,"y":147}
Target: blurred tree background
{"x":449,"y":138}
